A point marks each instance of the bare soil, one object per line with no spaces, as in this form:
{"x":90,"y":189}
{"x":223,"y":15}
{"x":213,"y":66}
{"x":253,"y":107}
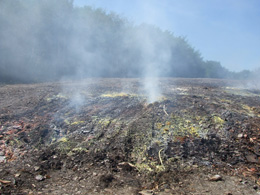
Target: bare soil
{"x":101,"y":136}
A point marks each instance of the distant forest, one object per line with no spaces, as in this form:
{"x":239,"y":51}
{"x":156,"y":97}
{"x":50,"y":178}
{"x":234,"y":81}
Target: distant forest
{"x":49,"y":40}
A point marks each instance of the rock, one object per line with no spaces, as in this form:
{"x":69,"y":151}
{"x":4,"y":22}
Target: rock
{"x":39,"y":177}
{"x":252,"y":158}
{"x":146,"y":192}
{"x":215,"y":178}
{"x":110,"y":191}
{"x":167,"y":190}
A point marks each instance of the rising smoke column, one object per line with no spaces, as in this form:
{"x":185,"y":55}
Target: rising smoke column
{"x":154,"y":48}
{"x":155,"y":56}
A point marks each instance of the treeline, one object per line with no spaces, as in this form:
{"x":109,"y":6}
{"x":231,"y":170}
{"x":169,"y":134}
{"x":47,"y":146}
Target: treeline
{"x":48,"y":40}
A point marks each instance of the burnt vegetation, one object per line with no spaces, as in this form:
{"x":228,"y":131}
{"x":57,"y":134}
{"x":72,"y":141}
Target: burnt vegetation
{"x":118,"y":142}
{"x":51,"y":40}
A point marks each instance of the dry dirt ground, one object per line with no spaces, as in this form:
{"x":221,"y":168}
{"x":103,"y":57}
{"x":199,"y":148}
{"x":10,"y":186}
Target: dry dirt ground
{"x":101,"y":136}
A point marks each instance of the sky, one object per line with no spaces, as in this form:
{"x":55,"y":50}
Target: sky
{"x":227,"y":31}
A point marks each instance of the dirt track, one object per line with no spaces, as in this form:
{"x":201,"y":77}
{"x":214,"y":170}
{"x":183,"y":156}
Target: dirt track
{"x":102,"y":137}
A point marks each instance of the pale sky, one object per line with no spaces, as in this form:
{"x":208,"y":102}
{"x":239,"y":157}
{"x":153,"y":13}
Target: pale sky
{"x":227,"y":31}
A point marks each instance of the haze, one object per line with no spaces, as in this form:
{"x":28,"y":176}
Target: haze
{"x":226,"y":31}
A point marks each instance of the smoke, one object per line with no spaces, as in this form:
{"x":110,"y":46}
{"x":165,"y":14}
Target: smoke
{"x":253,"y":82}
{"x":33,"y":45}
{"x":155,"y":56}
{"x":52,"y":40}
{"x":155,"y":49}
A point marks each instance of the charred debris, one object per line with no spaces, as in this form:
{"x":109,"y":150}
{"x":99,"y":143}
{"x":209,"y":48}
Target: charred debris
{"x":196,"y":124}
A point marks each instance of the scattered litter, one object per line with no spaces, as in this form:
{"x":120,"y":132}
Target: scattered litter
{"x":36,"y":168}
{"x":39,"y":177}
{"x":4,"y":181}
{"x":215,"y":178}
{"x":240,"y":135}
{"x":146,"y":192}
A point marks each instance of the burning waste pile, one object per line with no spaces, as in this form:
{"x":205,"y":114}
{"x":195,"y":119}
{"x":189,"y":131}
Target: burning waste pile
{"x":194,"y":125}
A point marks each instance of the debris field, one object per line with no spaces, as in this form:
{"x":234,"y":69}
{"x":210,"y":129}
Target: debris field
{"x":102,"y":136}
